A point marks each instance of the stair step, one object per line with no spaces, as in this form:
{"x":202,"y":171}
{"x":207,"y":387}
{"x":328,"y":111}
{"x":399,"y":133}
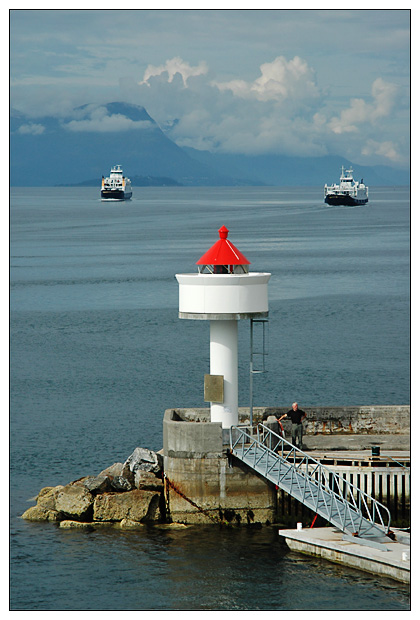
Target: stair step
{"x":300,"y":484}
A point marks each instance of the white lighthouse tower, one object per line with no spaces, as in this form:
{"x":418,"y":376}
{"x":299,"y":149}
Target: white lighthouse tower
{"x":222,"y":292}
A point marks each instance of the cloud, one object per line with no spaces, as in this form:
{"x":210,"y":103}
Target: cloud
{"x":268,"y":114}
{"x":279,"y":80}
{"x":101,"y":121}
{"x":281,"y":111}
{"x":386,"y":149}
{"x":172,"y":67}
{"x":360,"y":112}
{"x":32,"y":128}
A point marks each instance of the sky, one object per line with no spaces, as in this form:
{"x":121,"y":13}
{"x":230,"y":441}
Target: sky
{"x":254,"y":81}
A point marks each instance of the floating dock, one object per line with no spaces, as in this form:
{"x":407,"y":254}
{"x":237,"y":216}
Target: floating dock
{"x":388,"y":558}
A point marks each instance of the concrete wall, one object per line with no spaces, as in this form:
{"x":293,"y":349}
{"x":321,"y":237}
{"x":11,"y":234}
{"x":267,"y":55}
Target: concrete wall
{"x":375,"y":420}
{"x":204,"y":490}
{"x":189,"y":437}
{"x":364,"y":420}
{"x":202,"y":484}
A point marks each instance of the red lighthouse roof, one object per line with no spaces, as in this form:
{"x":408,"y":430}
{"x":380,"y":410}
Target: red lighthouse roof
{"x":223,"y":252}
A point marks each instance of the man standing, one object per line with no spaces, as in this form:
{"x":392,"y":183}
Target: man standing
{"x":296,"y":415}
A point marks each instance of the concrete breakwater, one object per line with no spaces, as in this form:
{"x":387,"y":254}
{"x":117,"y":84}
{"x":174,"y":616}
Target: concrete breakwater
{"x":348,"y":420}
{"x":367,"y":420}
{"x":195,"y":480}
{"x":204,"y":482}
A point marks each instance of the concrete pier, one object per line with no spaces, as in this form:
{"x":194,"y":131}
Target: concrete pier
{"x":387,"y":558}
{"x":204,"y":484}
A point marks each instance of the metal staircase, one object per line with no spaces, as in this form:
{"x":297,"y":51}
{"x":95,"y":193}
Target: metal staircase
{"x":325,"y":492}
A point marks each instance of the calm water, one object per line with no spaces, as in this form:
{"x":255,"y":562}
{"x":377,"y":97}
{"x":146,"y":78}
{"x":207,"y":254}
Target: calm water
{"x":98,"y":354}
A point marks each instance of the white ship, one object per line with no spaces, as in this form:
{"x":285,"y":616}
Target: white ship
{"x":116,"y":186}
{"x":348,"y":192}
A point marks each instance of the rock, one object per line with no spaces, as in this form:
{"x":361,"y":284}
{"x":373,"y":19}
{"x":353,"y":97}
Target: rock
{"x":137,"y":505}
{"x":44,"y":491}
{"x":39,"y":513}
{"x":119,"y":483}
{"x":71,"y":525}
{"x":97,"y":484}
{"x":171,"y":526}
{"x":129,"y":524}
{"x":147,"y":480}
{"x":113,"y":470}
{"x":144,"y":460}
{"x":97,"y":525}
{"x":47,"y":497}
{"x":74,"y":501}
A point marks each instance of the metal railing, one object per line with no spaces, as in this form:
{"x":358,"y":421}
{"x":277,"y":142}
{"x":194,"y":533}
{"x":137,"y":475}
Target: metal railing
{"x":319,"y":488}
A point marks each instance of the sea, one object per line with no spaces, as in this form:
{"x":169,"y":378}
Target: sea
{"x":98,"y":353}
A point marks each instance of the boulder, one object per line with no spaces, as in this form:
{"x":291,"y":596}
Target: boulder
{"x":72,"y":525}
{"x":97,"y":484}
{"x":39,"y":513}
{"x":74,"y":501}
{"x":43,"y":491}
{"x":119,"y":483}
{"x":47,"y":497}
{"x":144,"y":460}
{"x":137,"y":505}
{"x":112,"y":470}
{"x":172,"y":526}
{"x":147,"y":480}
{"x":129,"y":524}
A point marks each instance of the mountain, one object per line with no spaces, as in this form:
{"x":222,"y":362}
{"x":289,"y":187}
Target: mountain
{"x":48,"y":151}
{"x":136,"y":181}
{"x":78,"y":149}
{"x":282,"y":170}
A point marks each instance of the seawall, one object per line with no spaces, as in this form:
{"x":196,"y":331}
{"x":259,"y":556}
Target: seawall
{"x":204,"y":483}
{"x":358,"y":420}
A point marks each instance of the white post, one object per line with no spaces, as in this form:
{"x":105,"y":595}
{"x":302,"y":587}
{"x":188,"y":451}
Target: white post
{"x":224,"y":361}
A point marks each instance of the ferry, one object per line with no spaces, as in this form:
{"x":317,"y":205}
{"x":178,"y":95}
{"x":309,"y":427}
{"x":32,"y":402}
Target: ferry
{"x":348,"y":192}
{"x":116,"y":186}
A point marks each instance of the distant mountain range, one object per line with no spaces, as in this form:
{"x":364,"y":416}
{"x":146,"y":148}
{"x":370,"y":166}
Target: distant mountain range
{"x":78,"y":151}
{"x":136,"y":181}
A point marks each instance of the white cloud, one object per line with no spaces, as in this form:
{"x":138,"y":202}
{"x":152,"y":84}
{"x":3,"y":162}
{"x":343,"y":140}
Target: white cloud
{"x":259,"y":91}
{"x":385,"y":149}
{"x":360,"y":112}
{"x":32,"y":128}
{"x":273,"y":113}
{"x":102,"y":122}
{"x":172,"y":67}
{"x":281,"y":111}
{"x":279,"y":80}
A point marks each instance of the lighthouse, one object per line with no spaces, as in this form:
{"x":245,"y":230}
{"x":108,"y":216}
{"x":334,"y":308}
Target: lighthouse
{"x":223,"y":291}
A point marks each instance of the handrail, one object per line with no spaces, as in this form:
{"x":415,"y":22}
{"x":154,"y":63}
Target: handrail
{"x":350,"y":502}
{"x":397,"y":462}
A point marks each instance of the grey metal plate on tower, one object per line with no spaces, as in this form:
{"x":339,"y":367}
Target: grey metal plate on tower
{"x":213,"y":388}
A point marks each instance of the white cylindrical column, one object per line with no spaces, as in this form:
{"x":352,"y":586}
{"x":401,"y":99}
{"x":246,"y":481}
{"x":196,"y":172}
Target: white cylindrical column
{"x":224,"y":361}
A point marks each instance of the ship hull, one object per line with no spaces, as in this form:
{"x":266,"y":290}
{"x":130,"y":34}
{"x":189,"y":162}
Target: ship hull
{"x":342,"y":199}
{"x":115,"y":195}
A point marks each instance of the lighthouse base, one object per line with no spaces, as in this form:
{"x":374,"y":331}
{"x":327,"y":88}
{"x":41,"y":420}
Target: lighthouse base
{"x":203,"y":484}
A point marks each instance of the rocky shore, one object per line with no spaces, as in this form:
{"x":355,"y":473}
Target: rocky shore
{"x":126,"y":495}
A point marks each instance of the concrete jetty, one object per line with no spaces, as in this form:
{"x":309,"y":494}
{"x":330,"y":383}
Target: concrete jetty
{"x":197,"y":478}
{"x":203,"y":483}
{"x":388,"y":558}
{"x":197,"y":463}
